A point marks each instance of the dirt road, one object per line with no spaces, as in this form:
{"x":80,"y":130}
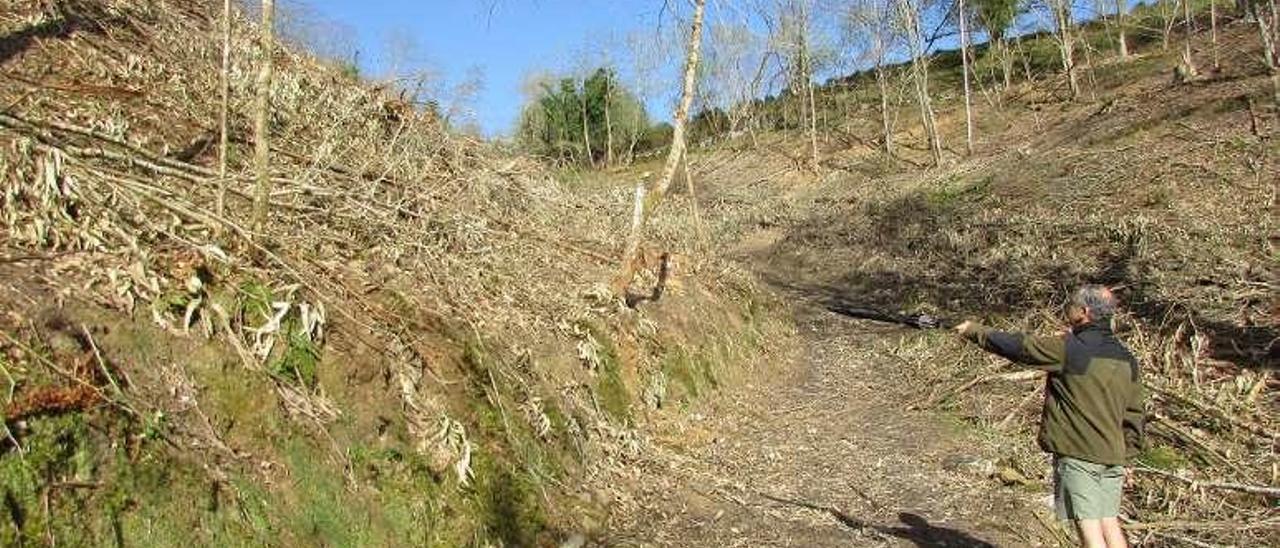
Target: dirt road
{"x":830,"y":457}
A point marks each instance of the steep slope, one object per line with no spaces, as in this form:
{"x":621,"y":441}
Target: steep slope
{"x":1166,"y":192}
{"x":416,"y":350}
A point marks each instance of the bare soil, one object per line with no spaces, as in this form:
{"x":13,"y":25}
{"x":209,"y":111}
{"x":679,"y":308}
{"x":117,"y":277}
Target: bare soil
{"x":831,"y":456}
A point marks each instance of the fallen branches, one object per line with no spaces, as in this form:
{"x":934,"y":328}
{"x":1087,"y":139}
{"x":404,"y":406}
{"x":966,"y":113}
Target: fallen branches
{"x":1268,"y":491}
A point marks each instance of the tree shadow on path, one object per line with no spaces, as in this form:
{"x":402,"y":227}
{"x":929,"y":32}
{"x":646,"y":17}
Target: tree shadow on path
{"x":913,"y":528}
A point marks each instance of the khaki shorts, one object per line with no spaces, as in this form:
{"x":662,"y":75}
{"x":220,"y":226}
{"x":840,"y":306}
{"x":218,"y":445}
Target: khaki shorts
{"x":1084,"y":490}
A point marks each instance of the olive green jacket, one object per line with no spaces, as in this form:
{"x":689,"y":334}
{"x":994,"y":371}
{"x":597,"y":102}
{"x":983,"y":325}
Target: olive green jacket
{"x":1093,"y":407}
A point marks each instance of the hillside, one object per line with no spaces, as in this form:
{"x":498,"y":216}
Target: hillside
{"x":418,"y":350}
{"x":1165,"y":192}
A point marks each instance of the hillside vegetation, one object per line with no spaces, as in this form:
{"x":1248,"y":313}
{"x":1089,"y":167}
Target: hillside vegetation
{"x":417,"y":349}
{"x":1164,"y":191}
{"x":420,"y":346}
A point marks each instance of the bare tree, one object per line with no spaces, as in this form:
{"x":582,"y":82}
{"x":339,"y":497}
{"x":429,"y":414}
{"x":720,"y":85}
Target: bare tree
{"x":909,"y":18}
{"x":868,"y":25}
{"x":963,"y":16}
{"x":224,"y":88}
{"x":646,"y":204}
{"x":1213,"y":30}
{"x":794,"y":42}
{"x":262,"y":106}
{"x":1188,"y":64}
{"x":1266,"y":15}
{"x":1122,"y":15}
{"x":1063,"y":24}
{"x":734,"y":66}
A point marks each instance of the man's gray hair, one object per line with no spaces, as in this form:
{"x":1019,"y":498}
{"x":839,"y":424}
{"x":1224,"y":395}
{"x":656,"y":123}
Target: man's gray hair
{"x":1097,"y":299}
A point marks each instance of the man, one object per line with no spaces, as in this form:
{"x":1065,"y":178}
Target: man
{"x":1093,"y":410}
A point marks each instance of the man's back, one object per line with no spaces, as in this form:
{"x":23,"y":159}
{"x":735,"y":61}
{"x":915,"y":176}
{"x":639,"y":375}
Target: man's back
{"x":1093,"y":394}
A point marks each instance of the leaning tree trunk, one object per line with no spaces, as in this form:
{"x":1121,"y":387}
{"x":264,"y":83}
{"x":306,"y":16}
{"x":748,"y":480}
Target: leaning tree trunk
{"x":262,"y":106}
{"x":964,"y":61}
{"x":224,"y":86}
{"x":645,"y":207}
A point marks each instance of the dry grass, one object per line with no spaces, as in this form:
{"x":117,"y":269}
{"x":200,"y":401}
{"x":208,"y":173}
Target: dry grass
{"x":392,"y":244}
{"x":1164,"y":192}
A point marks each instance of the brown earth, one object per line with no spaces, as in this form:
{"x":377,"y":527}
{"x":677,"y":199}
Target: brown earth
{"x":829,"y":456}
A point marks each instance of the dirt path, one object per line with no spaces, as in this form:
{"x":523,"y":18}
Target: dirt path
{"x":831,"y":457}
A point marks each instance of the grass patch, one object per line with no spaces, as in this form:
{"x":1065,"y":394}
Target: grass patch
{"x":1163,"y":457}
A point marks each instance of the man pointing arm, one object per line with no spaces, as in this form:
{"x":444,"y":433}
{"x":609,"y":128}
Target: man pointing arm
{"x":1093,"y":410}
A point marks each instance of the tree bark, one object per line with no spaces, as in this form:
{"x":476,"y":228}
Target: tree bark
{"x":964,"y":61}
{"x":1213,"y":31}
{"x":586,"y":129}
{"x":885,"y":127}
{"x":262,"y":106}
{"x":1186,"y":54}
{"x":807,"y":72}
{"x":1270,"y":35}
{"x":920,"y":73}
{"x":608,"y":121}
{"x":224,"y":86}
{"x":1122,"y":43}
{"x":1066,"y":44}
{"x":644,"y":208}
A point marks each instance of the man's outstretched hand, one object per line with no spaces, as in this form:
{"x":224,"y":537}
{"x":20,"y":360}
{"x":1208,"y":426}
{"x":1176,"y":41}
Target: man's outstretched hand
{"x":964,"y":327}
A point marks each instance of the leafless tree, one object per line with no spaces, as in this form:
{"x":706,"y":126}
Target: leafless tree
{"x":224,"y":89}
{"x":909,"y":19}
{"x":261,"y":114}
{"x":869,"y":27}
{"x":1063,"y":22}
{"x":962,"y":15}
{"x":1267,"y":17}
{"x":646,"y":203}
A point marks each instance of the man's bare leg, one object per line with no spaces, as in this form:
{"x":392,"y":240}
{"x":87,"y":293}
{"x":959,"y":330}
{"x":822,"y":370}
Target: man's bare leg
{"x":1113,"y":533}
{"x":1091,"y":535}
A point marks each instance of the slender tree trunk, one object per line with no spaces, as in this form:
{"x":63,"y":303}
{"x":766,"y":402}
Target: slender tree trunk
{"x":698,"y":225}
{"x":807,"y":73}
{"x":885,"y":127}
{"x":1006,"y":61}
{"x":1026,"y":63}
{"x":964,"y":61}
{"x":1270,"y":36}
{"x":920,"y":73}
{"x":224,"y":86}
{"x":262,"y":107}
{"x":1066,"y":43}
{"x":1213,"y":31}
{"x":813,"y":124}
{"x":586,"y":129}
{"x":1121,"y":15}
{"x":608,"y":122}
{"x":1190,"y":28}
{"x":644,"y":208}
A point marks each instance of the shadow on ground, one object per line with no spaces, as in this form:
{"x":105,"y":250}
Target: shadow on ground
{"x":913,"y":528}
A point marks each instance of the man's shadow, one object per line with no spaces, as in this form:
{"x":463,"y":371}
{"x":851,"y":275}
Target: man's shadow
{"x":914,"y":528}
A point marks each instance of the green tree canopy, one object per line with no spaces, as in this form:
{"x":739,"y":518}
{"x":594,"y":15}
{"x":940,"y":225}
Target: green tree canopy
{"x":583,"y":122}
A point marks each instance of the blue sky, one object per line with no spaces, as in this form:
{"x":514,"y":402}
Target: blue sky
{"x":504,"y":39}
